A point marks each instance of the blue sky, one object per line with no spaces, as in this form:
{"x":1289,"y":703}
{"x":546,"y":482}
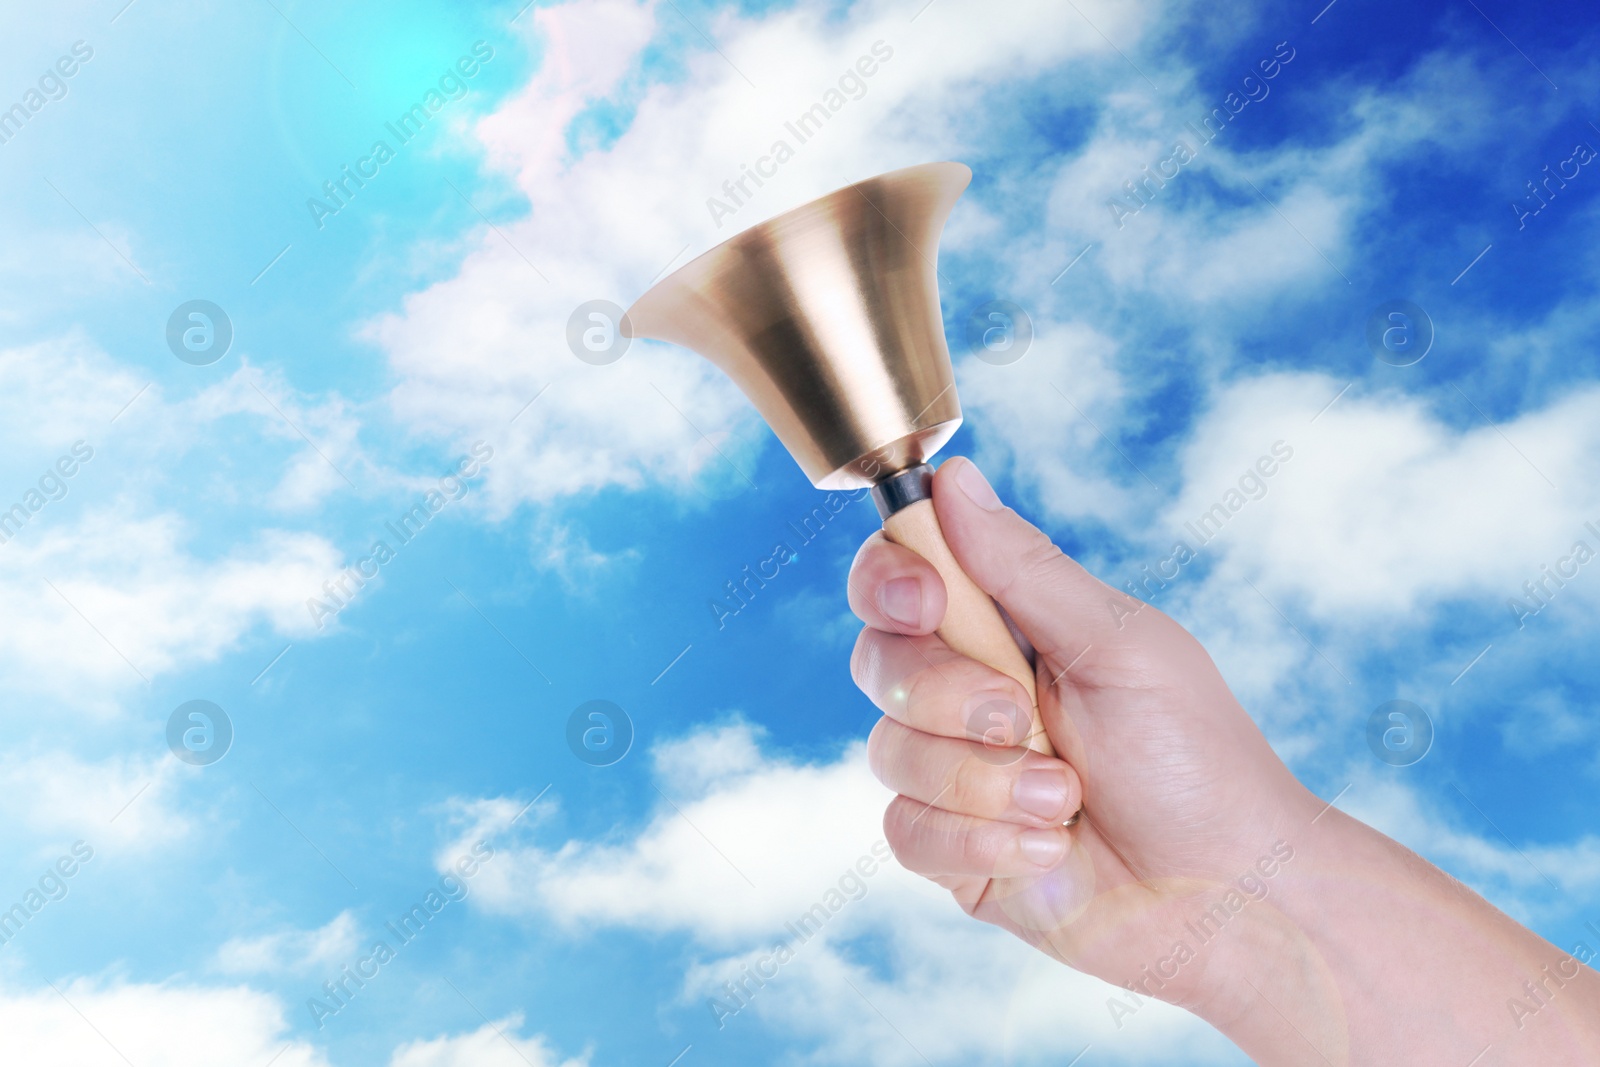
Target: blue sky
{"x":1174,"y":346}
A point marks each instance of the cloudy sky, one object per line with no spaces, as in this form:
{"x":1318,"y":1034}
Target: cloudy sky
{"x":393,"y":212}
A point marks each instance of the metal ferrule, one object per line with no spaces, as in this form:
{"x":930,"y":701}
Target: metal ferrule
{"x":901,"y":490}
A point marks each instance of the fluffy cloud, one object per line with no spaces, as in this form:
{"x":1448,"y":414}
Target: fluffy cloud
{"x":1390,"y":504}
{"x":716,"y":861}
{"x":54,"y":392}
{"x":119,"y":597}
{"x":292,"y":951}
{"x":1043,"y":418}
{"x":944,"y":988}
{"x":84,"y":1022}
{"x":66,"y":389}
{"x":1390,"y":508}
{"x":602,"y":222}
{"x":1164,"y":303}
{"x":88,"y":1023}
{"x":104,"y":582}
{"x":897,"y":974}
{"x":53,"y":797}
{"x":495,"y":1044}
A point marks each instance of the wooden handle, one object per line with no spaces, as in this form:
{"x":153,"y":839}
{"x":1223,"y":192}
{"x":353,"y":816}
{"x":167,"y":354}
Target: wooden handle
{"x":972,"y":622}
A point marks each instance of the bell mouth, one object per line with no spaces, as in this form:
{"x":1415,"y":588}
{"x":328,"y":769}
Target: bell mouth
{"x":881,"y":464}
{"x":827,"y":318}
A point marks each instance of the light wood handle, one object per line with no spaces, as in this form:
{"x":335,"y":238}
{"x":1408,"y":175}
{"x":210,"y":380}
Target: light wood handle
{"x":972,"y":624}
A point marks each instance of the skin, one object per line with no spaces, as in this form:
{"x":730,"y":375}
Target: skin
{"x":1202,"y":872}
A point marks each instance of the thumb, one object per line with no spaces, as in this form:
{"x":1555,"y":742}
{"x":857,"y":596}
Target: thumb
{"x":1061,"y":607}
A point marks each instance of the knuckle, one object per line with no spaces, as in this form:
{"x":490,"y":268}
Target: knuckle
{"x":1039,"y":564}
{"x":889,"y":667}
{"x":941,"y":675}
{"x":880,"y":745}
{"x":874,"y":666}
{"x":971,"y":790}
{"x":978,"y":844}
{"x":921,"y":690}
{"x":899,"y":829}
{"x":861,"y":660}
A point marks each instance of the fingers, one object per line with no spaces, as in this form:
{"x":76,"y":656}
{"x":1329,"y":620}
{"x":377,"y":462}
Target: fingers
{"x":969,"y":778}
{"x":921,"y":682}
{"x":1059,"y":605}
{"x":940,"y":844}
{"x":894,"y":589}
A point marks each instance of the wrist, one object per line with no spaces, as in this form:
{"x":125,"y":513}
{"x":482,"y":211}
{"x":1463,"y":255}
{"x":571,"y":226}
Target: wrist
{"x":1367,"y":953}
{"x":1267,"y":984}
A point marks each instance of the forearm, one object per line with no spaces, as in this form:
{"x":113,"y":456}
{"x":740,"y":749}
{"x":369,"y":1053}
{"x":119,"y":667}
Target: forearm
{"x":1366,"y":953}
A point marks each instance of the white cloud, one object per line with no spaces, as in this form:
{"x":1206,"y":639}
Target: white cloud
{"x":495,"y":1044}
{"x":323,"y":433}
{"x":563,"y":549}
{"x":66,"y":389}
{"x":55,"y":392}
{"x":1385,"y":507}
{"x":743,"y":817}
{"x":471,"y":350}
{"x":1043,"y":415}
{"x":290,"y":950}
{"x":102,"y":590}
{"x":959,"y":990}
{"x":123,"y":801}
{"x":91,"y":1023}
{"x":109,"y":1024}
{"x":94,"y":606}
{"x":1164,"y":299}
{"x":1391,"y":508}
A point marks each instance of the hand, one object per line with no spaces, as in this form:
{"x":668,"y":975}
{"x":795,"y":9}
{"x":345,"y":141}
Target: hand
{"x":1180,"y":790}
{"x":1202,"y":872}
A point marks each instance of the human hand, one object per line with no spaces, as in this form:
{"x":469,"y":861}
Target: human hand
{"x":1180,"y":789}
{"x":1191,"y":821}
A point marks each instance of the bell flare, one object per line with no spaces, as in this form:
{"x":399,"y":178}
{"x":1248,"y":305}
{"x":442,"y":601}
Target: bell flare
{"x":827,"y":318}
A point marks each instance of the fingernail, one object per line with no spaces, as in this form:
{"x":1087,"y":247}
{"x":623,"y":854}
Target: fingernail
{"x":1041,"y":792}
{"x":976,"y":486}
{"x":1043,"y":847}
{"x":901,"y":600}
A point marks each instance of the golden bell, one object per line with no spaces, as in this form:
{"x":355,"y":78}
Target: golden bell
{"x":827,"y":317}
